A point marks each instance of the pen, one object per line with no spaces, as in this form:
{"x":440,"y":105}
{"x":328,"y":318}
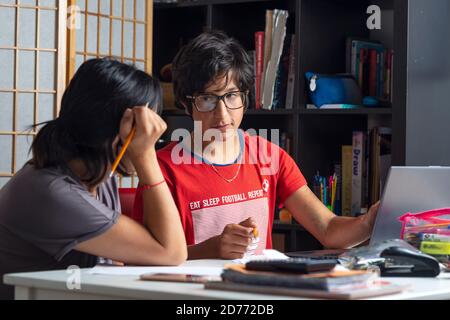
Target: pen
{"x":330,"y":190}
{"x":321,"y":190}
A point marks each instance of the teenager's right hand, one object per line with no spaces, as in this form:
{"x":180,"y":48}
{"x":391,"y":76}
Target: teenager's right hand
{"x":235,"y":239}
{"x":149,"y":128}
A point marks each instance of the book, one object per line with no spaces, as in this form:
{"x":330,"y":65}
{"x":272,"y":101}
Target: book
{"x":365,"y":59}
{"x":372,"y":73}
{"x":267,"y":45}
{"x":380,"y":161}
{"x":327,"y":280}
{"x":359,"y":68}
{"x":385,"y":160}
{"x":291,"y":75}
{"x":259,"y":66}
{"x":278,"y":36}
{"x":388,"y":76}
{"x":280,"y":88}
{"x":334,"y":284}
{"x":365,"y":177}
{"x":374,"y":168}
{"x":357,"y":172}
{"x":382,"y":288}
{"x":381,"y":74}
{"x":346,"y":193}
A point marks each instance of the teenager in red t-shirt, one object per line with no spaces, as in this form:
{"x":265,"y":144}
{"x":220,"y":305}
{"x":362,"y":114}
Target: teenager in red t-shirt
{"x":225,"y":182}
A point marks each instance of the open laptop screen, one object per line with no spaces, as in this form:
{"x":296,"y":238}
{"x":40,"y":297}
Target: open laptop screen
{"x":410,"y":189}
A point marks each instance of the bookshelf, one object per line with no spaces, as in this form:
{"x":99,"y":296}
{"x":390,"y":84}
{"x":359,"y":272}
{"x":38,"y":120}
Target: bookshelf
{"x":321,"y":27}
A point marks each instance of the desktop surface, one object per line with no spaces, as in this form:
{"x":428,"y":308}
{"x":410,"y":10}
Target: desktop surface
{"x":53,"y":285}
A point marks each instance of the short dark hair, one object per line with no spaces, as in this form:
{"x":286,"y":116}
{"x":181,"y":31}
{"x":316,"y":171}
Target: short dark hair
{"x":210,"y":55}
{"x":91,"y":110}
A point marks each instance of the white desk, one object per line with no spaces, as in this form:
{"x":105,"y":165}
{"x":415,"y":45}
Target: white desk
{"x":52,"y":285}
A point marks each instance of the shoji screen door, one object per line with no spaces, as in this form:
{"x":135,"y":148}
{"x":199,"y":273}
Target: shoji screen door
{"x":32,"y":74}
{"x":122,"y":29}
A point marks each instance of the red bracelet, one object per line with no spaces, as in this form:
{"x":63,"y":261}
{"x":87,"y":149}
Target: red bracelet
{"x":148,"y":186}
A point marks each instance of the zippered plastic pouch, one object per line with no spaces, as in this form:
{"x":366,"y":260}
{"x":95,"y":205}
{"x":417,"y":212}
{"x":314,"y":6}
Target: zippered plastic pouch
{"x":428,"y":231}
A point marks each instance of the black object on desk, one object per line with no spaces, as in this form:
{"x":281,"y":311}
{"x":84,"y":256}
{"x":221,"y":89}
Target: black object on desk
{"x":408,"y":263}
{"x":297,"y":265}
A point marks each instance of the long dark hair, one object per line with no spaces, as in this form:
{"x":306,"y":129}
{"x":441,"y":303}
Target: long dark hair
{"x":91,"y":110}
{"x":210,"y":55}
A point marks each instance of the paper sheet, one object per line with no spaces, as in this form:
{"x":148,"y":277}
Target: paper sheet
{"x":137,"y":271}
{"x":193,"y":267}
{"x":267,"y":254}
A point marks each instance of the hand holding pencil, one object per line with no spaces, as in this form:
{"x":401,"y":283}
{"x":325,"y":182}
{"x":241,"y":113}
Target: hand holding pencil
{"x":122,"y":151}
{"x":140,"y":129}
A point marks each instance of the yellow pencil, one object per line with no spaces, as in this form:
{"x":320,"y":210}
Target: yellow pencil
{"x":321,"y":192}
{"x":122,"y":152}
{"x":124,"y":149}
{"x":255,"y":233}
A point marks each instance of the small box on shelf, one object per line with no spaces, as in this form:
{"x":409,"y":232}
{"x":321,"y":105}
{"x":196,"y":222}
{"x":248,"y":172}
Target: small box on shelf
{"x":168,"y":96}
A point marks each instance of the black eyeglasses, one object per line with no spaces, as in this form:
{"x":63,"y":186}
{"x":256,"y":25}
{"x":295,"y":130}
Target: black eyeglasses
{"x":233,"y":100}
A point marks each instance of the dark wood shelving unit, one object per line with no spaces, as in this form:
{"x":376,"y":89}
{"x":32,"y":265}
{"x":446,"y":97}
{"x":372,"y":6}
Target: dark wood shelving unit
{"x":251,"y":112}
{"x":185,"y":4}
{"x":337,"y":112}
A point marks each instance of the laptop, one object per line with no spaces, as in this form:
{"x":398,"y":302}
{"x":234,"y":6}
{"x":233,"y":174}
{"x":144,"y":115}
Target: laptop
{"x":407,"y":189}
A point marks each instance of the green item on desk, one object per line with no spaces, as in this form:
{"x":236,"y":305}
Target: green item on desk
{"x":435,"y":248}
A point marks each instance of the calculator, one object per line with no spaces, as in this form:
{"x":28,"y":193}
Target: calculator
{"x":295,"y":265}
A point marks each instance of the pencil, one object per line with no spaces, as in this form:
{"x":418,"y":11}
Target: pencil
{"x":124,"y":149}
{"x":333,"y":194}
{"x":255,"y":232}
{"x":122,"y":152}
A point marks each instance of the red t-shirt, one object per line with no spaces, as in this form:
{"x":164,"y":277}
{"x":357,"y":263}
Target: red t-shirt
{"x":207,"y":203}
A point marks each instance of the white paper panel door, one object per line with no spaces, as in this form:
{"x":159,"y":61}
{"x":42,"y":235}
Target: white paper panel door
{"x":115,"y":28}
{"x":121,"y":29}
{"x":32,"y":69}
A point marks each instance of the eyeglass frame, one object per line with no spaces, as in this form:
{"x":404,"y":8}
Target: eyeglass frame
{"x":220,"y":98}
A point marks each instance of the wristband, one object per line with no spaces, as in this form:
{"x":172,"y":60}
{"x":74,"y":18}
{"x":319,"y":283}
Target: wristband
{"x":150,"y":186}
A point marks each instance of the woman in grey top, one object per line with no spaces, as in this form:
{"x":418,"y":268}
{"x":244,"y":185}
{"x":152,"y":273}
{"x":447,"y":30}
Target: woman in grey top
{"x":62,"y":208}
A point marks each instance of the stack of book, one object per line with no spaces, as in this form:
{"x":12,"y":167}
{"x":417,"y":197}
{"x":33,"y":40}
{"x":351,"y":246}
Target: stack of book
{"x":335,"y":284}
{"x":372,"y":66}
{"x":274,"y":63}
{"x":365,"y":165}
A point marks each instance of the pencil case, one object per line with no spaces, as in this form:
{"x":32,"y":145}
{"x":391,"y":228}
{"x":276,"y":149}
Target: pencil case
{"x":435,"y":221}
{"x":333,"y":89}
{"x":432,"y":223}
